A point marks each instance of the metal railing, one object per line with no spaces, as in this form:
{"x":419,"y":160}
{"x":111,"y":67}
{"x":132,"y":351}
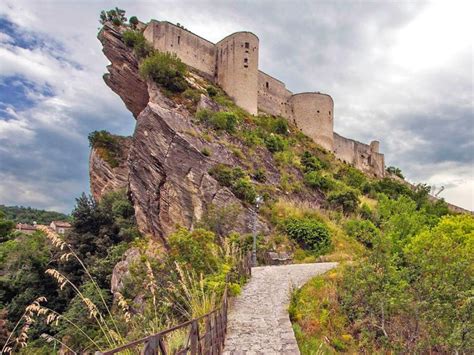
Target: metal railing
{"x":205,"y":335}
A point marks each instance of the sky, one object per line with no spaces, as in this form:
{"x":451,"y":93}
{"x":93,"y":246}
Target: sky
{"x":399,"y":72}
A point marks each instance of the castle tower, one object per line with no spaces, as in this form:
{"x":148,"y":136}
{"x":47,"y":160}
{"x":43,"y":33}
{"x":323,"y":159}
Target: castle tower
{"x":237,"y":68}
{"x":313,"y":113}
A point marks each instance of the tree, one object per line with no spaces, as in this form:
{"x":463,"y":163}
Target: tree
{"x":116,"y":16}
{"x":395,"y":171}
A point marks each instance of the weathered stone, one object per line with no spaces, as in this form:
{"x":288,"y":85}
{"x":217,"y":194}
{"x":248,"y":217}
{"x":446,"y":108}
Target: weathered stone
{"x":123,"y":77}
{"x":104,"y":178}
{"x":122,"y":269}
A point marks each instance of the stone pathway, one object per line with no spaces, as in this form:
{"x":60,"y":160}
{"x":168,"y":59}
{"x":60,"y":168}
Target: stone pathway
{"x":258,"y":321}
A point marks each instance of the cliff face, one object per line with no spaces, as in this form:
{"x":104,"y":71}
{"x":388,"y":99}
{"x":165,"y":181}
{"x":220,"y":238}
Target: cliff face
{"x":163,"y":168}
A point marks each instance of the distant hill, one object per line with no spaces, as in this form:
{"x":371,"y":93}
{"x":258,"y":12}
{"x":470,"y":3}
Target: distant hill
{"x":30,"y":215}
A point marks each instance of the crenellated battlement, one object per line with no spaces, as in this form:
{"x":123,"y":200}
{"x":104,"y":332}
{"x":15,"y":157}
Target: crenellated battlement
{"x":232,"y":63}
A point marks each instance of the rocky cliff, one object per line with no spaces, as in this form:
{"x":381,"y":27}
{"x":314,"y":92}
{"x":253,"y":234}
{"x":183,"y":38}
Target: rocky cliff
{"x":165,"y":170}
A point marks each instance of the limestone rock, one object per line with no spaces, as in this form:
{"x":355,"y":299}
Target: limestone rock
{"x":104,"y":178}
{"x":122,"y":269}
{"x":123,"y":77}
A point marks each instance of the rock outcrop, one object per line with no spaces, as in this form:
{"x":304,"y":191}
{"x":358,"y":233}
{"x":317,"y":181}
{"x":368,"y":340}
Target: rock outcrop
{"x":103,"y":177}
{"x":165,"y":171}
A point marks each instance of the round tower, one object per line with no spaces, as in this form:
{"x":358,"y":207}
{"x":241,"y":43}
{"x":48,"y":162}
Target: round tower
{"x":237,"y":68}
{"x":313,"y":113}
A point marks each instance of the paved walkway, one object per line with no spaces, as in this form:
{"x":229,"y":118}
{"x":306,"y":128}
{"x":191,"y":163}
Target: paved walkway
{"x":258,"y":321}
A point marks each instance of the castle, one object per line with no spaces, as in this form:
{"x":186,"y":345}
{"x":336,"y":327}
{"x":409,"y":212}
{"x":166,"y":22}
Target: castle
{"x":232,"y":63}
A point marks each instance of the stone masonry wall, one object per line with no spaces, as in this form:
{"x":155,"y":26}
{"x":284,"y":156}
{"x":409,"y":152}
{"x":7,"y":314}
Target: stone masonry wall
{"x":193,"y":50}
{"x":313,"y":114}
{"x":237,"y":68}
{"x":273,"y":96}
{"x":362,"y":156}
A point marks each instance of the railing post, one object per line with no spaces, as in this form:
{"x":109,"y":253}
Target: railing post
{"x":150,"y":346}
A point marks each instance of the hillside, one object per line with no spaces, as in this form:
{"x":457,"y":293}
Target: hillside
{"x":171,"y":219}
{"x":20,"y":214}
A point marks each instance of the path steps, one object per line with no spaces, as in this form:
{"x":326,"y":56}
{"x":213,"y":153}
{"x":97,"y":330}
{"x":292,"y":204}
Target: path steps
{"x":258,"y":321}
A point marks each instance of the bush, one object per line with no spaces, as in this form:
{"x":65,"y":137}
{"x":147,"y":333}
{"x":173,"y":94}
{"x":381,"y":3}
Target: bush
{"x":116,"y":16}
{"x":315,"y":180}
{"x":269,"y":124}
{"x":352,"y":177}
{"x":347,"y":200}
{"x":133,"y":21}
{"x":244,"y":189}
{"x":275,"y":143}
{"x":395,"y":171}
{"x":259,"y":175}
{"x":192,"y":94}
{"x":362,"y":230}
{"x":107,"y":145}
{"x":218,"y":120}
{"x":310,"y":162}
{"x":165,"y":69}
{"x":237,"y":180}
{"x":205,"y":151}
{"x":309,"y":234}
{"x":392,"y":188}
{"x":226,"y":175}
{"x":211,"y":90}
{"x":137,"y":41}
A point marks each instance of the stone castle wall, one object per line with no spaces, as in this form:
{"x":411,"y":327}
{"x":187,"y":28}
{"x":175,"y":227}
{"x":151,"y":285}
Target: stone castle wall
{"x":232,"y":63}
{"x":193,"y":50}
{"x":313,"y":114}
{"x":273,"y":96}
{"x":237,"y":68}
{"x":362,"y":156}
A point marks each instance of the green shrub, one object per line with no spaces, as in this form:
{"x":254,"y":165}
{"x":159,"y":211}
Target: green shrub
{"x":244,"y":189}
{"x":391,"y":188}
{"x":309,"y":234}
{"x":236,"y":179}
{"x":205,"y":151}
{"x":259,"y":175}
{"x":133,"y":20}
{"x":226,"y":121}
{"x":116,"y":16}
{"x":275,"y":143}
{"x":137,"y":41}
{"x":366,"y":212}
{"x":211,"y":90}
{"x":347,"y":200}
{"x":352,"y":177}
{"x":310,"y":162}
{"x":165,"y":69}
{"x":107,"y":145}
{"x":362,"y":230}
{"x":269,"y":124}
{"x":226,"y":175}
{"x":395,"y":171}
{"x":192,"y":94}
{"x":316,"y":180}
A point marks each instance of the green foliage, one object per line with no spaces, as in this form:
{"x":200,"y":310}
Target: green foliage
{"x":107,"y":145}
{"x":347,"y":200}
{"x":391,"y":188}
{"x":316,"y":180}
{"x":6,"y":227}
{"x":395,"y":171}
{"x":220,"y":220}
{"x":226,"y":121}
{"x":245,"y":190}
{"x":116,"y":16}
{"x":311,"y":163}
{"x":309,"y":234}
{"x":196,"y":249}
{"x":211,"y":90}
{"x":237,"y":180}
{"x":133,"y":20}
{"x":226,"y":175}
{"x":165,"y":69}
{"x":441,"y":270}
{"x":137,"y":41}
{"x":206,"y":152}
{"x":259,"y":175}
{"x":352,"y":177}
{"x":275,"y":143}
{"x":20,"y":214}
{"x":362,"y":230}
{"x":270,"y":124}
{"x":192,"y":94}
